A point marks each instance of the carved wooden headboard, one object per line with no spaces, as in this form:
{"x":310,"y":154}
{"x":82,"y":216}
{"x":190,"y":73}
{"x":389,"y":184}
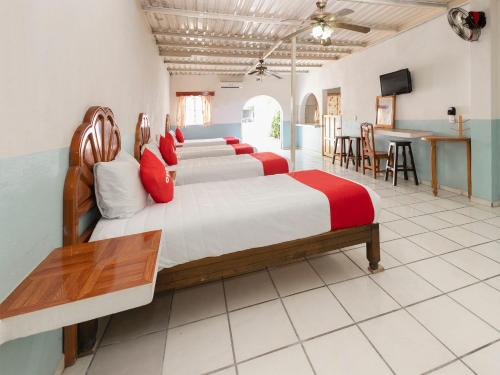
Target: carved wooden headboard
{"x":142,"y":134}
{"x":96,"y":139}
{"x":168,"y":124}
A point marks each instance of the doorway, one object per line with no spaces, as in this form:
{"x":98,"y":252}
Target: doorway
{"x":332,"y":120}
{"x":262,"y":123}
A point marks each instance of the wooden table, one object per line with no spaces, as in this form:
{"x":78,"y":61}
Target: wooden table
{"x":78,"y":283}
{"x":402,"y":133}
{"x":434,"y":141}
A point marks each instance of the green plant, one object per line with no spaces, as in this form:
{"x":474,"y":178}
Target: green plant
{"x":275,"y":125}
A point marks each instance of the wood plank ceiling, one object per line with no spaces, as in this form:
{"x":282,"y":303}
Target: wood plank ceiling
{"x":227,"y":37}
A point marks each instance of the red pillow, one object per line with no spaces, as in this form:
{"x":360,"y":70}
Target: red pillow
{"x":155,"y":179}
{"x":179,"y":135}
{"x":171,"y":137}
{"x":167,"y":150}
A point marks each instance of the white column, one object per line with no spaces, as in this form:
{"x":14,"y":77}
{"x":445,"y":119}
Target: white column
{"x":293,"y":137}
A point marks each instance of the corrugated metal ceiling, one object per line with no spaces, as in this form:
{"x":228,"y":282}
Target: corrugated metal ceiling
{"x":218,"y":33}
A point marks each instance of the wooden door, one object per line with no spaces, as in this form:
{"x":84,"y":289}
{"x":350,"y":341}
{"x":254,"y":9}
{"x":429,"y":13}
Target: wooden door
{"x":332,"y":123}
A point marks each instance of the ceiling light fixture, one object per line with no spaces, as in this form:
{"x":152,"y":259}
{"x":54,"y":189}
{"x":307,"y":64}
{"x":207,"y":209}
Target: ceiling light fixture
{"x":322,"y":31}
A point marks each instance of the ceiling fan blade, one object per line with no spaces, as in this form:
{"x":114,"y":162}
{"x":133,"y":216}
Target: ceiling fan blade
{"x":252,"y":72}
{"x":349,"y":26}
{"x":343,"y":12}
{"x":297,"y":32}
{"x":273,"y":74}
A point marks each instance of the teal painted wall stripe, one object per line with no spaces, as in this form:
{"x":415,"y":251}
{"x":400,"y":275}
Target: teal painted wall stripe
{"x":38,"y":354}
{"x":451,"y":157}
{"x":212,"y":131}
{"x":31,"y":219}
{"x":496,"y":160}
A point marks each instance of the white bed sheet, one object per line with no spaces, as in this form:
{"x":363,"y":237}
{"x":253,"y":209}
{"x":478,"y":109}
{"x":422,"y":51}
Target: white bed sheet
{"x":203,"y":142}
{"x":215,"y":218}
{"x":220,"y":168}
{"x":203,"y":152}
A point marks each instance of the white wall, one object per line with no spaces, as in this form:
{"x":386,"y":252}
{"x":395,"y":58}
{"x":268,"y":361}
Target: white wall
{"x":60,"y":57}
{"x":228,"y":103}
{"x":439,"y":62}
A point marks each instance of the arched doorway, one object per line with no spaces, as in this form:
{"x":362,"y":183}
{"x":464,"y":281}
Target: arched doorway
{"x":310,"y":110}
{"x":262,"y":123}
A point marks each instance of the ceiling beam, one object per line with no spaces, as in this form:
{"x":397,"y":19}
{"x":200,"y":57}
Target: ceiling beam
{"x":256,"y":40}
{"x":248,"y":48}
{"x":233,"y":71}
{"x":248,"y":55}
{"x":220,"y":16}
{"x":242,"y":18}
{"x":215,"y":63}
{"x":402,"y":3}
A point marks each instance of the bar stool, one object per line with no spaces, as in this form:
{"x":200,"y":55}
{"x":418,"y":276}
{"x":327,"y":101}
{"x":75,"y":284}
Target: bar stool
{"x":393,"y":165}
{"x":344,"y":145}
{"x":355,"y":157}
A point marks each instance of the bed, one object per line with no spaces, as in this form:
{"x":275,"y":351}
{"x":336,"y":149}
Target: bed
{"x":98,"y":139}
{"x":219,"y":168}
{"x":202,"y":148}
{"x":199,"y":142}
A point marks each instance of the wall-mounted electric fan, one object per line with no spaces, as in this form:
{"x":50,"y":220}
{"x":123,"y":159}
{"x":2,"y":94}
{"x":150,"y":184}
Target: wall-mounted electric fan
{"x":467,"y":25}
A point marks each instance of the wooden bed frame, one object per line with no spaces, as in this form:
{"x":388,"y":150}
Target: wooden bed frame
{"x":98,"y":139}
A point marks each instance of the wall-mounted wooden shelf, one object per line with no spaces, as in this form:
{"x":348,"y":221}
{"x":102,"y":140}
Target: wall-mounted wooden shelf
{"x":77,"y":283}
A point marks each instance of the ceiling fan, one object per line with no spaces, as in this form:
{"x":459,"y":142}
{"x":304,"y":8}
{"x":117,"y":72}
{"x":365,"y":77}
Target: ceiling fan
{"x":261,"y":71}
{"x":324,"y":23}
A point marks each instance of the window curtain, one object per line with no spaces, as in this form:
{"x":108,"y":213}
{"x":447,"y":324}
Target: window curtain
{"x":206,"y":109}
{"x":181,"y":109}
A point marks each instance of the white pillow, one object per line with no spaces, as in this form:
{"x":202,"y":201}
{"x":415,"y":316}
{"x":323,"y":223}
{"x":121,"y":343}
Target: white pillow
{"x":118,"y":188}
{"x":155,"y":150}
{"x":125,"y":156}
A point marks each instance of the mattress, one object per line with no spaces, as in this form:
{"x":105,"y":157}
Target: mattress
{"x":220,"y":168}
{"x":216,"y":218}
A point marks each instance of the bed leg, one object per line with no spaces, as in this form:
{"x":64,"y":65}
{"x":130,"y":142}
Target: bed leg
{"x":70,"y":346}
{"x":373,"y":250}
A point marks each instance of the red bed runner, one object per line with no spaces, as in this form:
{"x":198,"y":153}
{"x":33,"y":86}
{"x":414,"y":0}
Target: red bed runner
{"x":243,"y":148}
{"x":231,"y":140}
{"x":350,"y":203}
{"x":272,"y":163}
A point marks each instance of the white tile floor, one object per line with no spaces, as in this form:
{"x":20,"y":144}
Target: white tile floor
{"x":435,"y":309}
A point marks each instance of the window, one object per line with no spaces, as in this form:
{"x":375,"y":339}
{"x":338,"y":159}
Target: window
{"x":248,"y":115}
{"x":193,"y":110}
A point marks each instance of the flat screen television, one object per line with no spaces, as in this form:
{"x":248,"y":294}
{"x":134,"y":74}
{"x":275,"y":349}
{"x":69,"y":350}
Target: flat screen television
{"x":396,"y":83}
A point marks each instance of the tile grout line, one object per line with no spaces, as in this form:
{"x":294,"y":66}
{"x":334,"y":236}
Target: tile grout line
{"x":291,"y":323}
{"x":171,"y":304}
{"x":98,"y":346}
{"x":354,"y":321}
{"x":467,"y":309}
{"x":229,"y":326}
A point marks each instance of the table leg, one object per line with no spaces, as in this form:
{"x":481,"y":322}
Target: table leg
{"x":469,"y":178}
{"x":434,"y":168}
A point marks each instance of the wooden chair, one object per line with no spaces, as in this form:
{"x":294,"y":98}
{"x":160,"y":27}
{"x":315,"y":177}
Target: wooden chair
{"x":368,"y":152}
